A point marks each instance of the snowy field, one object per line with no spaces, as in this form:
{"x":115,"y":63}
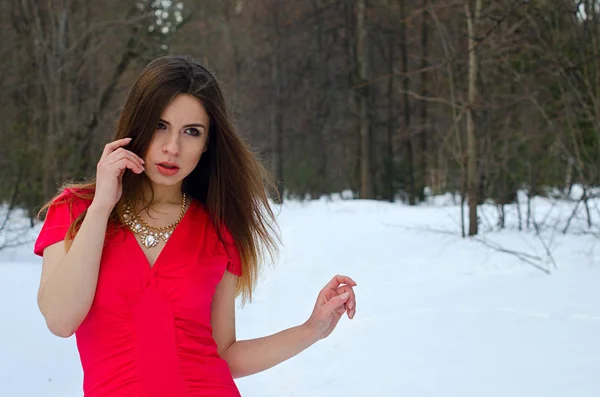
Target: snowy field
{"x":437,"y":315}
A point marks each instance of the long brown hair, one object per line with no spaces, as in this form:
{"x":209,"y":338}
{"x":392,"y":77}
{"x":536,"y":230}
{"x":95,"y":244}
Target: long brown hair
{"x":229,"y":179}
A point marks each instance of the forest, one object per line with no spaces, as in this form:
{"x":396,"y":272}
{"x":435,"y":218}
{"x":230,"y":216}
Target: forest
{"x":390,"y":100}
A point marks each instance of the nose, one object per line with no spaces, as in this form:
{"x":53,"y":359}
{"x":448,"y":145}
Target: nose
{"x":171,"y":145}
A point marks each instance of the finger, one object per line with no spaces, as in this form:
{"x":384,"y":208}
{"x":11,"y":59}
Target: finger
{"x":112,"y":146}
{"x":330,"y":289}
{"x":325,"y":295}
{"x":122,"y":153}
{"x":118,"y":154}
{"x":351,"y":302}
{"x":337,"y":280}
{"x":124,"y":163}
{"x":351,"y":308}
{"x":335,"y":303}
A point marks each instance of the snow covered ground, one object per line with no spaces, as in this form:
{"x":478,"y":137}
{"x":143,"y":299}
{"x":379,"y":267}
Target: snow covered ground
{"x":437,"y":315}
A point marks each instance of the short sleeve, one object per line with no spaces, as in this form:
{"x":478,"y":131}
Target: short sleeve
{"x":234,"y":262}
{"x":61,"y":213}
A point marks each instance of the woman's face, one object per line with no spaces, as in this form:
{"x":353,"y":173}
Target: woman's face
{"x":179,"y":140}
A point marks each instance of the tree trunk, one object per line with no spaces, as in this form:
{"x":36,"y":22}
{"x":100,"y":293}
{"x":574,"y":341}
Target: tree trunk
{"x":519,"y":213}
{"x":472,"y":174}
{"x":463,"y":192}
{"x":276,"y":116}
{"x":362,"y":59}
{"x":406,"y":87}
{"x":389,"y":163}
{"x":423,"y":136}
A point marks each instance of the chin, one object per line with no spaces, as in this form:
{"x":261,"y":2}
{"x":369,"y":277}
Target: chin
{"x":162,"y":181}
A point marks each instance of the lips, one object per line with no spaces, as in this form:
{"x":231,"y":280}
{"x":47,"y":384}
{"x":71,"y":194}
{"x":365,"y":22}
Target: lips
{"x":168,"y":165}
{"x":167,"y":169}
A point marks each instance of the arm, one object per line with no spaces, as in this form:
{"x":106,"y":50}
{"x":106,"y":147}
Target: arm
{"x":68,"y":281}
{"x":248,"y":357}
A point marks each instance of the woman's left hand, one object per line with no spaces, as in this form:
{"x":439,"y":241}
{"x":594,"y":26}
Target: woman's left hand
{"x":335,"y":299}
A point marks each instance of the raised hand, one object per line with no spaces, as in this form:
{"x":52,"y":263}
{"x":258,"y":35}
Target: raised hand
{"x":109,"y":172}
{"x":335,"y":299}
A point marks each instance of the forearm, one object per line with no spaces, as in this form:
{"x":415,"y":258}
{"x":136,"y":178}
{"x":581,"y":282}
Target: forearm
{"x":248,"y":357}
{"x":67,"y":295}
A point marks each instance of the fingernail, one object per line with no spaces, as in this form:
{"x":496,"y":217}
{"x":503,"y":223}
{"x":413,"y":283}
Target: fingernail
{"x":350,"y":305}
{"x":344,"y":295}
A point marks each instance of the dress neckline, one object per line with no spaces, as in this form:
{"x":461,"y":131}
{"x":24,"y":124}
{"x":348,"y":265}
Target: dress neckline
{"x":174,"y":235}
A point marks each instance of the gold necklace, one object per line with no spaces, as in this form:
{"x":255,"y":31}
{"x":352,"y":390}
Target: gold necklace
{"x":150,"y":235}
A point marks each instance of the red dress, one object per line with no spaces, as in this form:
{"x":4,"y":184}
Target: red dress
{"x":148,"y":331}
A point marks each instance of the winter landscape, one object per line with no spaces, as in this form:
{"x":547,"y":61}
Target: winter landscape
{"x":437,"y":315}
{"x":448,"y":154}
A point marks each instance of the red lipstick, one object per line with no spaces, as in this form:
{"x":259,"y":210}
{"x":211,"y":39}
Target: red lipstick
{"x":167,"y":168}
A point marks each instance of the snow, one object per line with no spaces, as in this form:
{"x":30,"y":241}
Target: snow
{"x":437,"y":315}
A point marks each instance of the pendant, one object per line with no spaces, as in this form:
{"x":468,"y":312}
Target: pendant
{"x":149,"y":239}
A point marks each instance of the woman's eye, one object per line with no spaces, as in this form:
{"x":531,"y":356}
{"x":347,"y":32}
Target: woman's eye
{"x":192,"y":131}
{"x":161,"y":126}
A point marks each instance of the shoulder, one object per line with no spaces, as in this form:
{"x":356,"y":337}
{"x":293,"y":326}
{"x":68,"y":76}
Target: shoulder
{"x":71,"y":194}
{"x":62,"y":211}
{"x":231,"y":251}
{"x":220,"y":241}
{"x":215,"y":231}
{"x":75,"y":200}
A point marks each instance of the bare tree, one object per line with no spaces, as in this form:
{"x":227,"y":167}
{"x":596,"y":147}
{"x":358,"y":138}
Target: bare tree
{"x":423,"y":172}
{"x":473,"y":16}
{"x":362,"y":98}
{"x":407,"y":109}
{"x":66,"y":88}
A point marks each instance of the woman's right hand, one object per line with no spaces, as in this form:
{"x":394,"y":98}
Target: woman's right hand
{"x":109,"y":173}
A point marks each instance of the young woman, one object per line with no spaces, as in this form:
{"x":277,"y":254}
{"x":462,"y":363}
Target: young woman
{"x":144,"y":263}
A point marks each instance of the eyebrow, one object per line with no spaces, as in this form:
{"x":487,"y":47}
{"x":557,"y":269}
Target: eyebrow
{"x":187,"y":125}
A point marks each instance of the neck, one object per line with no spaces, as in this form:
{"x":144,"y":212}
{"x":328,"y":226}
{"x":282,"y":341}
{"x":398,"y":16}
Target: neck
{"x":164,"y":195}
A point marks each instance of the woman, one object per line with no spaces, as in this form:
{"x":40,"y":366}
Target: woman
{"x":144,"y":263}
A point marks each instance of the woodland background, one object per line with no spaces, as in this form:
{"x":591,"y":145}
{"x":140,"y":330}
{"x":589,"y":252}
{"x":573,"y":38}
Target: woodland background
{"x":388,"y":99}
